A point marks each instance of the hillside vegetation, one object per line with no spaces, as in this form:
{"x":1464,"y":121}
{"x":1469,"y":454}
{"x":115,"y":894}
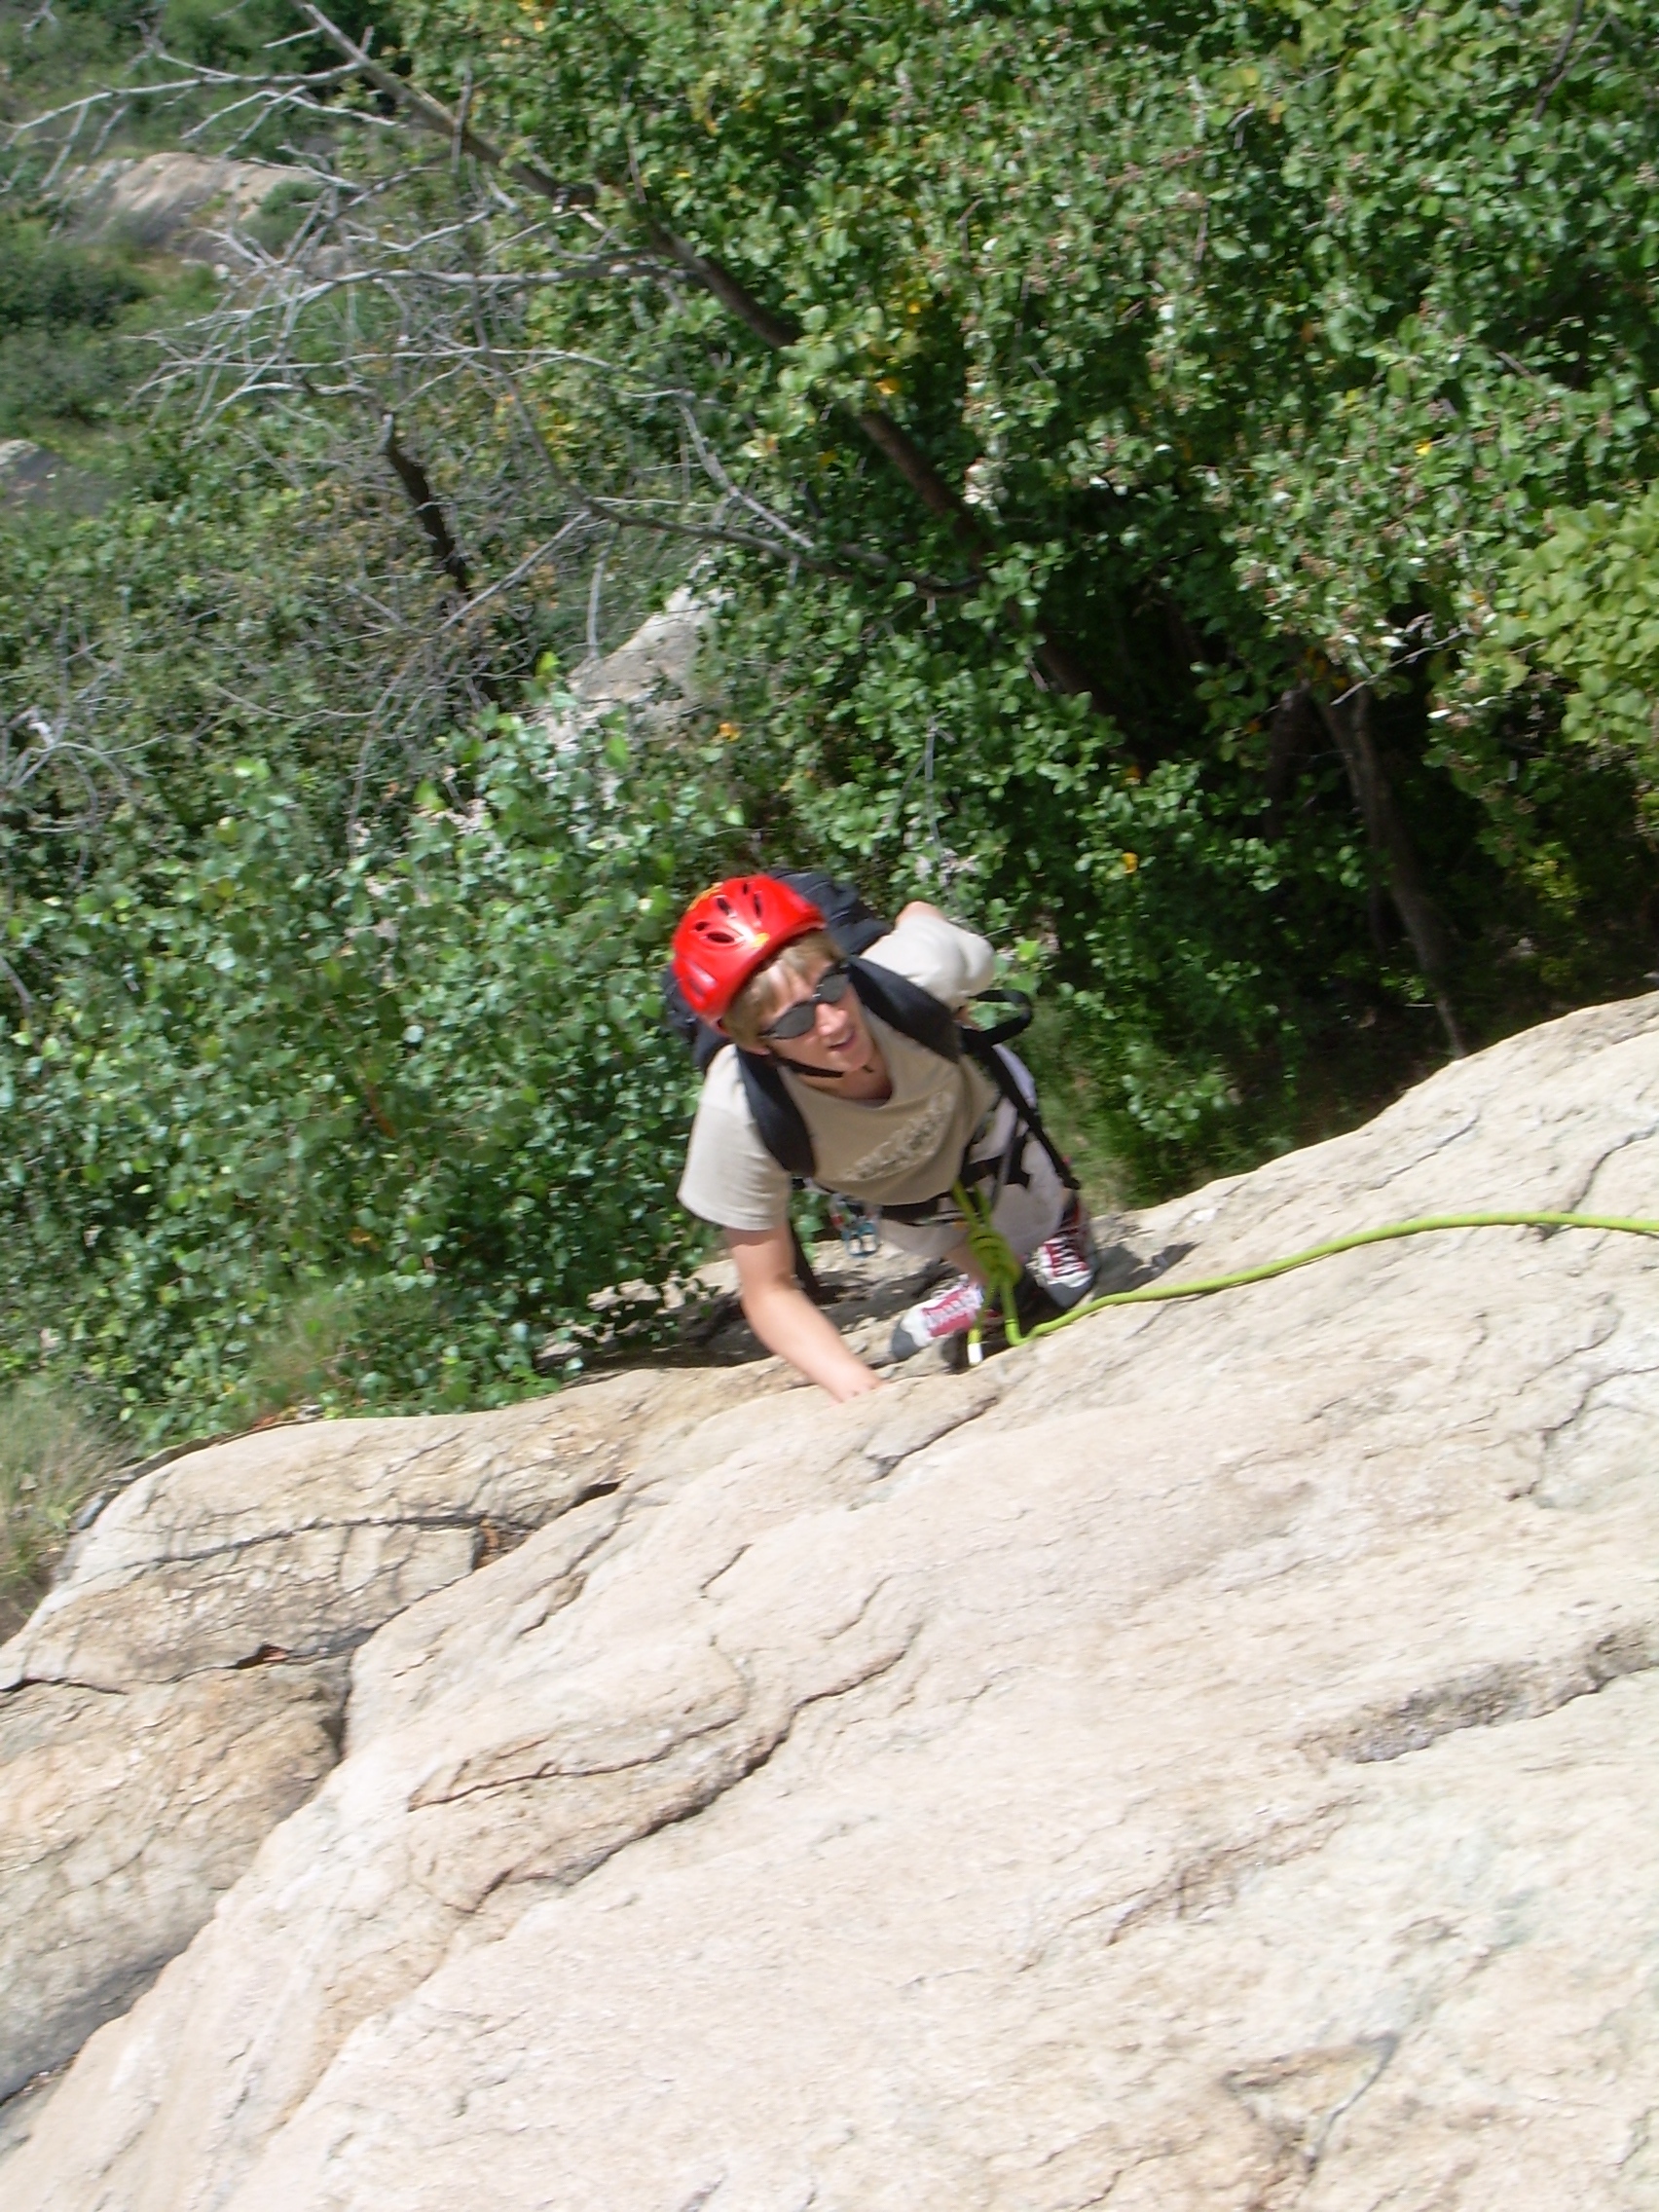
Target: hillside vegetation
{"x":1173,"y":480}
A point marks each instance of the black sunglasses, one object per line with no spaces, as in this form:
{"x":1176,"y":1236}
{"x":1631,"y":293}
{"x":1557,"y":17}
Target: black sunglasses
{"x":796,"y":1021}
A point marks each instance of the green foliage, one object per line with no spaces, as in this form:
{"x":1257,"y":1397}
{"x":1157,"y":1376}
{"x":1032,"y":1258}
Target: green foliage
{"x":1582,"y":608}
{"x":227,"y":605}
{"x":1237,"y":360}
{"x":1257,"y":341}
{"x":303,"y":1357}
{"x":60,"y":359}
{"x":54,"y":1453}
{"x":426,"y":1075}
{"x":48,"y":55}
{"x":51,"y":380}
{"x":51,"y":57}
{"x":44,"y":284}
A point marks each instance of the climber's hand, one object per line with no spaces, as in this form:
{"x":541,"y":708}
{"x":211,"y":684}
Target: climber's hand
{"x":854,"y":1381}
{"x":784,"y":1319}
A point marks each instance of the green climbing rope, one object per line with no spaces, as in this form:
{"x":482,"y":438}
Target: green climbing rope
{"x":1000,"y":1266}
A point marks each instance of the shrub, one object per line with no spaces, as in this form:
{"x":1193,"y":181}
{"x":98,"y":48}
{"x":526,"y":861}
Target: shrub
{"x":406,"y":1105}
{"x":53,"y":1455}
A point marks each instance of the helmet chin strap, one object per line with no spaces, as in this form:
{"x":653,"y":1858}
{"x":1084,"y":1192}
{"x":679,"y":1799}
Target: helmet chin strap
{"x":820,"y":1074}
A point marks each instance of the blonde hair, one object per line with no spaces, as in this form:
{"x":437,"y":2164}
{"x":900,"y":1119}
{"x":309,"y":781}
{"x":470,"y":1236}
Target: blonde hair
{"x":803,"y":959}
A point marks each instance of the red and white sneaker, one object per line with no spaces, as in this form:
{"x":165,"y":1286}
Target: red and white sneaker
{"x":948,"y":1313}
{"x":1066,"y":1264}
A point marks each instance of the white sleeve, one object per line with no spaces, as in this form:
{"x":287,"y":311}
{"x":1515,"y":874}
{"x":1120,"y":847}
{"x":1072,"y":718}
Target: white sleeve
{"x":945,"y":958}
{"x":730,"y":1178}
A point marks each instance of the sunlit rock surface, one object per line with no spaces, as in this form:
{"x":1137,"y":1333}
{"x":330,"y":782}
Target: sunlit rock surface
{"x":1206,"y":1760}
{"x":184,"y":1688}
{"x":652,"y":680}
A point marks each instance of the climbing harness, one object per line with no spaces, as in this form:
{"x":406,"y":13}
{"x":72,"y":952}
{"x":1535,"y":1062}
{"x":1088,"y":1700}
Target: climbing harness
{"x":999,"y":1263}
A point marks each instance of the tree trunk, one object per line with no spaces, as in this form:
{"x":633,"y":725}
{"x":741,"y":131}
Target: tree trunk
{"x":1348,"y":720}
{"x":429,"y":512}
{"x":1287,"y":741}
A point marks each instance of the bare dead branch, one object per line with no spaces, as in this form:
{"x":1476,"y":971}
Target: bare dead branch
{"x":532,"y":561}
{"x":596,"y":589}
{"x":449,"y":125}
{"x":429,"y":511}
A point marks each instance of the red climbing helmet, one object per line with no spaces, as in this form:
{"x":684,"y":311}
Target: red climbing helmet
{"x":730,"y":932}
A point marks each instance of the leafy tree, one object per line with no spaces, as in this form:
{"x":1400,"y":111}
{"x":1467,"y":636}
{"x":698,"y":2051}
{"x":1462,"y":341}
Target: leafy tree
{"x":58,"y":361}
{"x":426,"y":1075}
{"x":1219,"y":357}
{"x":1171,"y":478}
{"x":1582,"y":606}
{"x":229,"y":604}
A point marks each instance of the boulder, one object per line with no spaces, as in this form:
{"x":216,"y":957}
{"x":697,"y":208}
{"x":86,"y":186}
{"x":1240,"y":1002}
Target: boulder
{"x":656,"y":668}
{"x":183,"y":1688}
{"x":1203,"y":1760}
{"x":27,"y":470}
{"x":172,"y":201}
{"x":34,"y":476}
{"x":653,"y":679}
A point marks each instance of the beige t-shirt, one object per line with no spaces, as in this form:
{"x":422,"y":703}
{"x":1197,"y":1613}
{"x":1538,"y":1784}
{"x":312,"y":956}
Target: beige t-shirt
{"x":900,"y":1151}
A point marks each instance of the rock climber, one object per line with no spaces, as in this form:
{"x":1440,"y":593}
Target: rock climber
{"x":890,"y":1123}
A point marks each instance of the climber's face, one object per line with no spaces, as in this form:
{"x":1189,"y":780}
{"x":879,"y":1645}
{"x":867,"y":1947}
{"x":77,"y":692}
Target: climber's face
{"x":824,"y":1031}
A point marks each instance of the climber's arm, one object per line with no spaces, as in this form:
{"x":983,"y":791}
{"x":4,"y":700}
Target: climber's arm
{"x":784,"y":1319}
{"x":928,"y":948}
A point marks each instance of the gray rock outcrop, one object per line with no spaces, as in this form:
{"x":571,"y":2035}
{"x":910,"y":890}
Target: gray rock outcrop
{"x":27,"y":470}
{"x":183,"y":1689}
{"x":652,"y":678}
{"x":124,"y":1817}
{"x":34,"y":476}
{"x":174,"y":199}
{"x":1204,"y":1760}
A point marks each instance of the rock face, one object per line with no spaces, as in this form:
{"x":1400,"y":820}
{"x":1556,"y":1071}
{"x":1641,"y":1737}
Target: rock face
{"x":652,"y":678}
{"x":1202,"y":1761}
{"x":170,"y":200}
{"x":123,"y":1816}
{"x":184,"y":1687}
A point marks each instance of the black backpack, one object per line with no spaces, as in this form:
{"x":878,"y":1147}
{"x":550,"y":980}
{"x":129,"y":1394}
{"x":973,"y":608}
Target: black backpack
{"x":892,"y":999}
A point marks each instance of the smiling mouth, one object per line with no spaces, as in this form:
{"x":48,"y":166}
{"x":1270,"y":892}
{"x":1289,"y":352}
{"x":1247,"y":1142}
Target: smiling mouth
{"x":835,"y":1049}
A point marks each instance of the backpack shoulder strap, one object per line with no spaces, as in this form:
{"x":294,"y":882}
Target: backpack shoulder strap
{"x":906,"y":1007}
{"x":902,"y":1005}
{"x":984,"y":1046}
{"x":915,"y":1013}
{"x":778,"y":1119}
{"x":1017,"y":1016}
